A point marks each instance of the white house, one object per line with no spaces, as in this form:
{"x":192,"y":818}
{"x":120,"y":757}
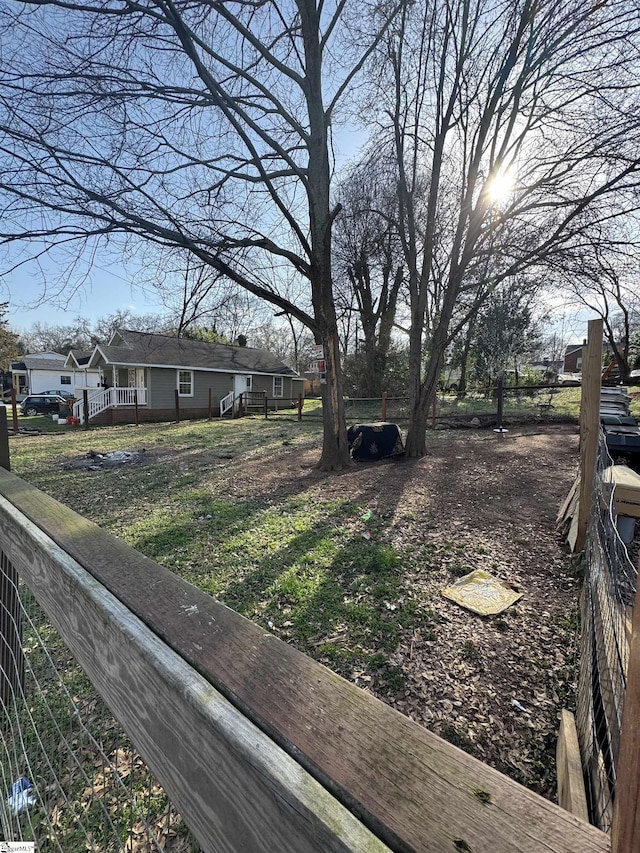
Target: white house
{"x":51,"y":371}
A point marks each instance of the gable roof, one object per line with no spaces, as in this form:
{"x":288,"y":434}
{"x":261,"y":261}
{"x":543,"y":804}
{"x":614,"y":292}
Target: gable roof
{"x":79,"y":358}
{"x":39,"y":361}
{"x":141,"y":349}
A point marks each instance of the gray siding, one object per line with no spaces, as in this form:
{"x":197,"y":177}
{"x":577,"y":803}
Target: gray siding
{"x":290,"y":387}
{"x":162,"y":384}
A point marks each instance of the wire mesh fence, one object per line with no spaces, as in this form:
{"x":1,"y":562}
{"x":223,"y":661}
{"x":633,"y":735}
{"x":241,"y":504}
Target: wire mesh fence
{"x":607,"y":599}
{"x":70,"y":778}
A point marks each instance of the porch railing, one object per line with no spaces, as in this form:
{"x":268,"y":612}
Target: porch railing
{"x":226,"y":404}
{"x":107,"y":397}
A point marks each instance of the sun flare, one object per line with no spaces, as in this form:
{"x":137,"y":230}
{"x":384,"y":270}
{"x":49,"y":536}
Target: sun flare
{"x":500,"y":186}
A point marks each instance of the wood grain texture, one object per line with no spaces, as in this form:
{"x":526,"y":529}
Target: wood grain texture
{"x":589,"y":424}
{"x":571,"y":793}
{"x":625,"y":833}
{"x":237,"y":791}
{"x":414,"y":790}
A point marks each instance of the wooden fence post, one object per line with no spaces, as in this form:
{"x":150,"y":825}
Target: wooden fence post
{"x":240,"y":406}
{"x":299,"y":407}
{"x":625,"y":833}
{"x":11,"y":654}
{"x":85,"y":408}
{"x":14,"y":409}
{"x":266,"y":407}
{"x":589,"y":424}
{"x":383,"y":413}
{"x":4,"y":440}
{"x":210,"y":405}
{"x":135,"y":404}
{"x":177,"y":406}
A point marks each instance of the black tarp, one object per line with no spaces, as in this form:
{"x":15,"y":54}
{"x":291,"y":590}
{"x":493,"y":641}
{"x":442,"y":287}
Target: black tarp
{"x":370,"y":442}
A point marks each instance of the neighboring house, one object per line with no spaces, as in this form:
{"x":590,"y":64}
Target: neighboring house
{"x":40,"y":372}
{"x":573,"y":356}
{"x":83,"y":376}
{"x":153,"y":371}
{"x":51,"y":371}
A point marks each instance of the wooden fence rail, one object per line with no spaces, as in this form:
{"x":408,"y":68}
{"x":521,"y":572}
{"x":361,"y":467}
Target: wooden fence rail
{"x":259,"y":747}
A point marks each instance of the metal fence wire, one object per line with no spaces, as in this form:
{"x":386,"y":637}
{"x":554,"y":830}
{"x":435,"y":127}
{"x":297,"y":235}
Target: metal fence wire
{"x":70,"y":780}
{"x":606,"y":610}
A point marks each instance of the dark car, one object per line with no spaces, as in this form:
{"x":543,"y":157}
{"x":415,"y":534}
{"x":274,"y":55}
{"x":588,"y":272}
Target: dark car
{"x":59,"y":393}
{"x":42,"y":404}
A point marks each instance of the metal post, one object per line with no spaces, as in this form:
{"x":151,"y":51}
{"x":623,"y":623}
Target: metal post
{"x":135,"y":405}
{"x":383,"y":413}
{"x":85,"y":408}
{"x":266,"y":406}
{"x":500,"y":429}
{"x":210,"y":409}
{"x":177,"y":406}
{"x":299,"y":407}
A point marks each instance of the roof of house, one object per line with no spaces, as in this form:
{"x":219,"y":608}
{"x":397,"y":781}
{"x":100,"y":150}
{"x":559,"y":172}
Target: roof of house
{"x":141,"y":349}
{"x":78,"y":357}
{"x":572,"y":348}
{"x":40,"y":361}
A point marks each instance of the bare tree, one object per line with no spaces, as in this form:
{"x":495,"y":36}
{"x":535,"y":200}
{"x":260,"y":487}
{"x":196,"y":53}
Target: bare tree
{"x":369,"y":263}
{"x":201,"y":126}
{"x":534,"y":97}
{"x":603,"y":279}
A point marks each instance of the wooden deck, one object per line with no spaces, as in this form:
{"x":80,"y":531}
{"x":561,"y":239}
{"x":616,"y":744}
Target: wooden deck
{"x":408,"y":789}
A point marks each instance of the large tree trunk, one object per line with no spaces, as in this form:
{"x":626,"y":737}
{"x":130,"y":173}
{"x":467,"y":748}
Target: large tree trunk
{"x":335,"y":450}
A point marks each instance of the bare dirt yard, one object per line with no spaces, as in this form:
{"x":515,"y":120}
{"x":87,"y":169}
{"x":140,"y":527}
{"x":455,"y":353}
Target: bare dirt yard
{"x":492,"y":685}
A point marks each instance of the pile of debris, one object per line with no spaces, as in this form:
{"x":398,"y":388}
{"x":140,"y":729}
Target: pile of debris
{"x":95,"y":461}
{"x":621,"y":431}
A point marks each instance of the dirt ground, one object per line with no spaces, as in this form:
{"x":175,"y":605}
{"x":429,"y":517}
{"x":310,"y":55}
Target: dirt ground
{"x":492,"y":685}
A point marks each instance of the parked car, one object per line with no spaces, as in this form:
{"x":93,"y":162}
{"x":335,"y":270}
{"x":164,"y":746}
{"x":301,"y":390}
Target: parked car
{"x":59,"y":393}
{"x":569,"y":378}
{"x":42,"y":404}
{"x":634,"y":377}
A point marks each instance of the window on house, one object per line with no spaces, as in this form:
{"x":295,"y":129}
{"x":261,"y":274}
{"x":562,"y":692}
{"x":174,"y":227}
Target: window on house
{"x":249,"y":383}
{"x":185,"y":383}
{"x":277,"y":386}
{"x":65,"y":380}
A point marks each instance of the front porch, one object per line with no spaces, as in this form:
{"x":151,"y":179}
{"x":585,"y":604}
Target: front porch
{"x":108,"y":398}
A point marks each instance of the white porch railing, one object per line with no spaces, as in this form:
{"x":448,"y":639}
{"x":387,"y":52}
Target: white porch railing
{"x":105,"y":398}
{"x":227,"y":403}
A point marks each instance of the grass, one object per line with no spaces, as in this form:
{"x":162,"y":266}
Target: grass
{"x":297,"y":564}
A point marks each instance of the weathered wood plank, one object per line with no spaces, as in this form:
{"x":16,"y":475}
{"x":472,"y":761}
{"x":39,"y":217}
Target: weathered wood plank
{"x":566,"y":503}
{"x":571,"y":793}
{"x":589,"y":424}
{"x":625,"y":834}
{"x":237,"y":790}
{"x":413,"y":789}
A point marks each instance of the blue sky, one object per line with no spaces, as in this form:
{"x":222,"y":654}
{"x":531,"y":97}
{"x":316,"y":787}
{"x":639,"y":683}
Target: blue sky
{"x":107,"y":287}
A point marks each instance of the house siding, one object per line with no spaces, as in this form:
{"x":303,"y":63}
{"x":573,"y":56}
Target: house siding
{"x":291,"y":387}
{"x":162,"y":385}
